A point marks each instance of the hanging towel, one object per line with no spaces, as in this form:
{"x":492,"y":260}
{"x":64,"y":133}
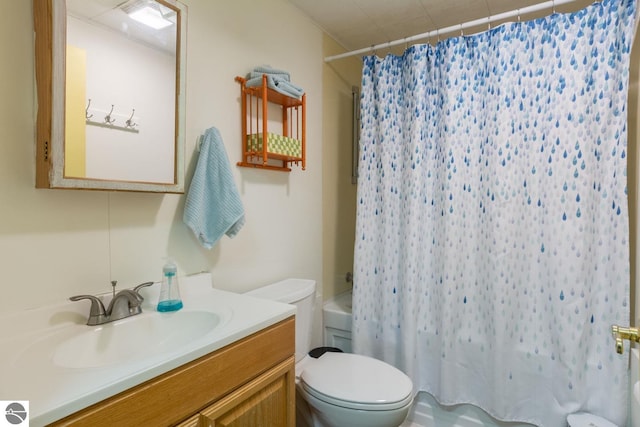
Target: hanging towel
{"x":213,"y":205}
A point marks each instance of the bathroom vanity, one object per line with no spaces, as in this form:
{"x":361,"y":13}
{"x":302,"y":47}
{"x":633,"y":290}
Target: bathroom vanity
{"x":250,"y":382}
{"x":224,"y":359}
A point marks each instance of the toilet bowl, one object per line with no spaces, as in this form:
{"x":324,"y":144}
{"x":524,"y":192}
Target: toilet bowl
{"x":339,"y":389}
{"x":344,"y":389}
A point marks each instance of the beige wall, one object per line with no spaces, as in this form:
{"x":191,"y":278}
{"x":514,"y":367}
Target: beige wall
{"x":75,"y":147}
{"x":339,"y":194}
{"x":57,"y":243}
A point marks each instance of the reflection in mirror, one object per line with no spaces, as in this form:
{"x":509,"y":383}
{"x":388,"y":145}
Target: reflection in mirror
{"x":117,"y":121}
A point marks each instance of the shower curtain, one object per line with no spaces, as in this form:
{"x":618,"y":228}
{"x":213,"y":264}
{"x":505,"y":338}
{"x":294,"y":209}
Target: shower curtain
{"x":491,"y":252}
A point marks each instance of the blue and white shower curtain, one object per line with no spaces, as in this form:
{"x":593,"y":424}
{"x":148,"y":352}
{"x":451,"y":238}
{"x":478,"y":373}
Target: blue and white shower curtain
{"x":492,"y":252}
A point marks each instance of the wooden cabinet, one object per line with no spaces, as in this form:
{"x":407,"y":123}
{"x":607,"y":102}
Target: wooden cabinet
{"x":248,"y":383}
{"x":272,"y":150}
{"x":264,"y":401}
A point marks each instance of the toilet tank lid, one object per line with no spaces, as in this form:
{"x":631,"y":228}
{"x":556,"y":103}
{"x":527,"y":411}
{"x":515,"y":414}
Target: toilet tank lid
{"x":288,"y":291}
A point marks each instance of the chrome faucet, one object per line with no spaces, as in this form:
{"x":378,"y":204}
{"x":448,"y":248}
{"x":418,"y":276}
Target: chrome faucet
{"x":125,"y":303}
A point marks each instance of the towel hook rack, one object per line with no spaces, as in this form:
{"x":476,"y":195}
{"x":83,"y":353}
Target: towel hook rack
{"x":129,"y":122}
{"x":87,"y":116}
{"x":110,"y":118}
{"x":107,"y":119}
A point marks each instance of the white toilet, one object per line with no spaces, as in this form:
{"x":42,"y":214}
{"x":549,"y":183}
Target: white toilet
{"x":338,"y":389}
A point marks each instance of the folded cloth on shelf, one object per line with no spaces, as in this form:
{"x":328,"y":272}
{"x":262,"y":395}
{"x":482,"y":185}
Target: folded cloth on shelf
{"x":276,"y":144}
{"x":279,"y":85}
{"x":265,"y":69}
{"x":288,"y":87}
{"x":213,"y":206}
{"x":255,"y":74}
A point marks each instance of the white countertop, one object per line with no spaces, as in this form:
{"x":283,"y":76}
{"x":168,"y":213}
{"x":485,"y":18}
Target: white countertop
{"x":29,"y":340}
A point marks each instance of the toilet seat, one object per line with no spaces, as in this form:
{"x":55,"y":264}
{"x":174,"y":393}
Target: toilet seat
{"x":356,"y":382}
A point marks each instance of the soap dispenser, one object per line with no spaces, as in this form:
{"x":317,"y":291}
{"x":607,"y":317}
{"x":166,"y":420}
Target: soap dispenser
{"x":169,"y":292}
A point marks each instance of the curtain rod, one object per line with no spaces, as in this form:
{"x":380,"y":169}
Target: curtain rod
{"x":458,"y":27}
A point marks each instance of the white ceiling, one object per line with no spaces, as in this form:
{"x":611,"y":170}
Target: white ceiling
{"x":110,"y":14}
{"x":357,"y":24}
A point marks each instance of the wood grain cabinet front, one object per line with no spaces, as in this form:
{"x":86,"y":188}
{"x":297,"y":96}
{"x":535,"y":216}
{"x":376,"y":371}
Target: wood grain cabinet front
{"x":266,"y":401}
{"x":248,"y":383}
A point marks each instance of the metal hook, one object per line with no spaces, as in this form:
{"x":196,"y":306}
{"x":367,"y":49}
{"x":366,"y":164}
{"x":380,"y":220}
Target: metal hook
{"x":129,"y":123}
{"x":461,"y":30}
{"x":518,"y":15}
{"x":489,"y":22}
{"x":554,"y":6}
{"x":87,"y":116}
{"x":107,"y":119}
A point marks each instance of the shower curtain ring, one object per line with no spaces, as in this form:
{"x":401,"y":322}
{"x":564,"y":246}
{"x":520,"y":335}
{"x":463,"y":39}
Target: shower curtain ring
{"x":518,"y":15}
{"x":461,"y":30}
{"x":553,"y":2}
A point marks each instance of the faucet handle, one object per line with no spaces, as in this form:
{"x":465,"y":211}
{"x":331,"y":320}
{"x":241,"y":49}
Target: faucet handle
{"x":140,"y":286}
{"x":97,"y":313}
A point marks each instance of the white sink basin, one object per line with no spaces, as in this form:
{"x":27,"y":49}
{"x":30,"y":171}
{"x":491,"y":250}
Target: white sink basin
{"x":134,"y":337}
{"x":50,"y":357}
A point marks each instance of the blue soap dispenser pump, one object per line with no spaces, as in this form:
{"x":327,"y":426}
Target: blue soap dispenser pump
{"x":169,"y":292}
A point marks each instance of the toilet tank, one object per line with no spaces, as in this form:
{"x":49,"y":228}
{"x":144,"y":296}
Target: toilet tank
{"x":301,"y":293}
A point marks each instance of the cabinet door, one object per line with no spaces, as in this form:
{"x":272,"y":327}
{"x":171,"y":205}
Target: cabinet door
{"x":268,"y":401}
{"x":191,"y":422}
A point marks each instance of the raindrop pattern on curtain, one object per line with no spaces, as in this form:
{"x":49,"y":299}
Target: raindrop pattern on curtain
{"x":491,"y":252}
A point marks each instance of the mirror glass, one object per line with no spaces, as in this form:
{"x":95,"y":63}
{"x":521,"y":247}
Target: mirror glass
{"x":122,"y":97}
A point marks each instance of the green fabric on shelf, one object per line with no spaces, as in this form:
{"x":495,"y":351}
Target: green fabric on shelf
{"x":276,"y":144}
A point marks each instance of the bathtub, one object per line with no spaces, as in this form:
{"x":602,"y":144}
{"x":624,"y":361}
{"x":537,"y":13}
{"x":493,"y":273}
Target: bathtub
{"x":336,"y":318}
{"x":426,"y":411}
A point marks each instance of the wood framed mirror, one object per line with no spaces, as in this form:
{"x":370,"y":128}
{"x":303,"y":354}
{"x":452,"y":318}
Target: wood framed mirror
{"x":111,"y":94}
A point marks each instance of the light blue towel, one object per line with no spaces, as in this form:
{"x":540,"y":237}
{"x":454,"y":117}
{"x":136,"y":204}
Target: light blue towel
{"x":213,"y":206}
{"x":283,"y":76}
{"x":265,"y":69}
{"x":279,"y":85}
